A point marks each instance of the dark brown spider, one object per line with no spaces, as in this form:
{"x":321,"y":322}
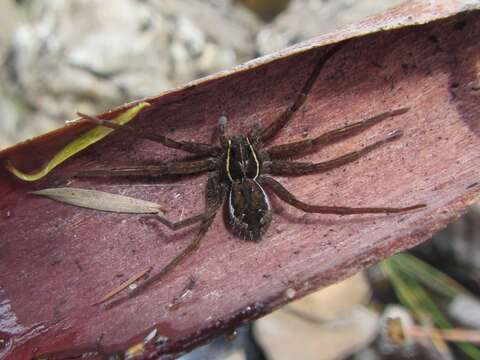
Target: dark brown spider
{"x":239,"y":169}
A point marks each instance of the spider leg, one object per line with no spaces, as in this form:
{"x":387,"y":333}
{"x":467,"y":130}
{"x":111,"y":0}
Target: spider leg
{"x":281,"y":167}
{"x":168,"y":168}
{"x":289,"y":198}
{"x":295,"y":148}
{"x":222,"y":124}
{"x":188,"y":146}
{"x":215,"y":196}
{"x":177,"y":225}
{"x":271,"y":130}
{"x":204,"y":227}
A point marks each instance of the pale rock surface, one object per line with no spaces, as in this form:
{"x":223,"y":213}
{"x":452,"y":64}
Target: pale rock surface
{"x":62,"y":56}
{"x":329,"y":324}
{"x":305,"y":19}
{"x":89,"y":56}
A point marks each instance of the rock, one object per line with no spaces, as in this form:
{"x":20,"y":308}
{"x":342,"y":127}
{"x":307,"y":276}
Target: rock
{"x":403,"y":344}
{"x":407,"y":349}
{"x":67,"y":56}
{"x":329,"y":324}
{"x":235,"y":347}
{"x":91,"y":56}
{"x":465,"y":310}
{"x":305,"y":19}
{"x":8,"y":18}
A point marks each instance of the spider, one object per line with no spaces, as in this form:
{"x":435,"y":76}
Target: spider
{"x":239,"y":168}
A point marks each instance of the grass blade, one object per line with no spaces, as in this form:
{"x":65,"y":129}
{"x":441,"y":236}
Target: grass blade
{"x":82,"y":142}
{"x":99,"y":200}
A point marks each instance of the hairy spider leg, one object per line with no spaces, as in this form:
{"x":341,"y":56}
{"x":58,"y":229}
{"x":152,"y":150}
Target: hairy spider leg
{"x":188,"y":146}
{"x":307,"y":145}
{"x":222,"y":124}
{"x":180,"y":224}
{"x":271,"y":130}
{"x":167,"y":168}
{"x":281,"y":167}
{"x":279,"y":190}
{"x":215,"y":196}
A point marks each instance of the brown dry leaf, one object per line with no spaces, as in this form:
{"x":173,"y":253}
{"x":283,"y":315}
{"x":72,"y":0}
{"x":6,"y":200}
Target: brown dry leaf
{"x":100,"y":200}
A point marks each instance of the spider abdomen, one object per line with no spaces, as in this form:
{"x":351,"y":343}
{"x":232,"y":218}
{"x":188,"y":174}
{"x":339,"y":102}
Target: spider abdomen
{"x":249,"y":209}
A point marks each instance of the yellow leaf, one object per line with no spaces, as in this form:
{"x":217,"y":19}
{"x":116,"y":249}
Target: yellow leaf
{"x":77,"y":145}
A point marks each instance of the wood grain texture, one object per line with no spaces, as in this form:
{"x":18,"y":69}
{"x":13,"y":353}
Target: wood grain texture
{"x":56,"y":260}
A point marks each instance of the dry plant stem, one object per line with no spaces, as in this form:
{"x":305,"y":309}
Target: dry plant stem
{"x":456,"y":335}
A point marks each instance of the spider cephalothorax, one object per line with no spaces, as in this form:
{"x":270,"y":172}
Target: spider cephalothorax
{"x":249,"y":211}
{"x":240,"y":170}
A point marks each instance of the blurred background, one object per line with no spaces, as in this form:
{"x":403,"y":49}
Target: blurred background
{"x":62,"y":56}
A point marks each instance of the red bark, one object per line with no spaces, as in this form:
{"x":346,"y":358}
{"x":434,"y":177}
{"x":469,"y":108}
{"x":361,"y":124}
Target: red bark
{"x":56,"y":260}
